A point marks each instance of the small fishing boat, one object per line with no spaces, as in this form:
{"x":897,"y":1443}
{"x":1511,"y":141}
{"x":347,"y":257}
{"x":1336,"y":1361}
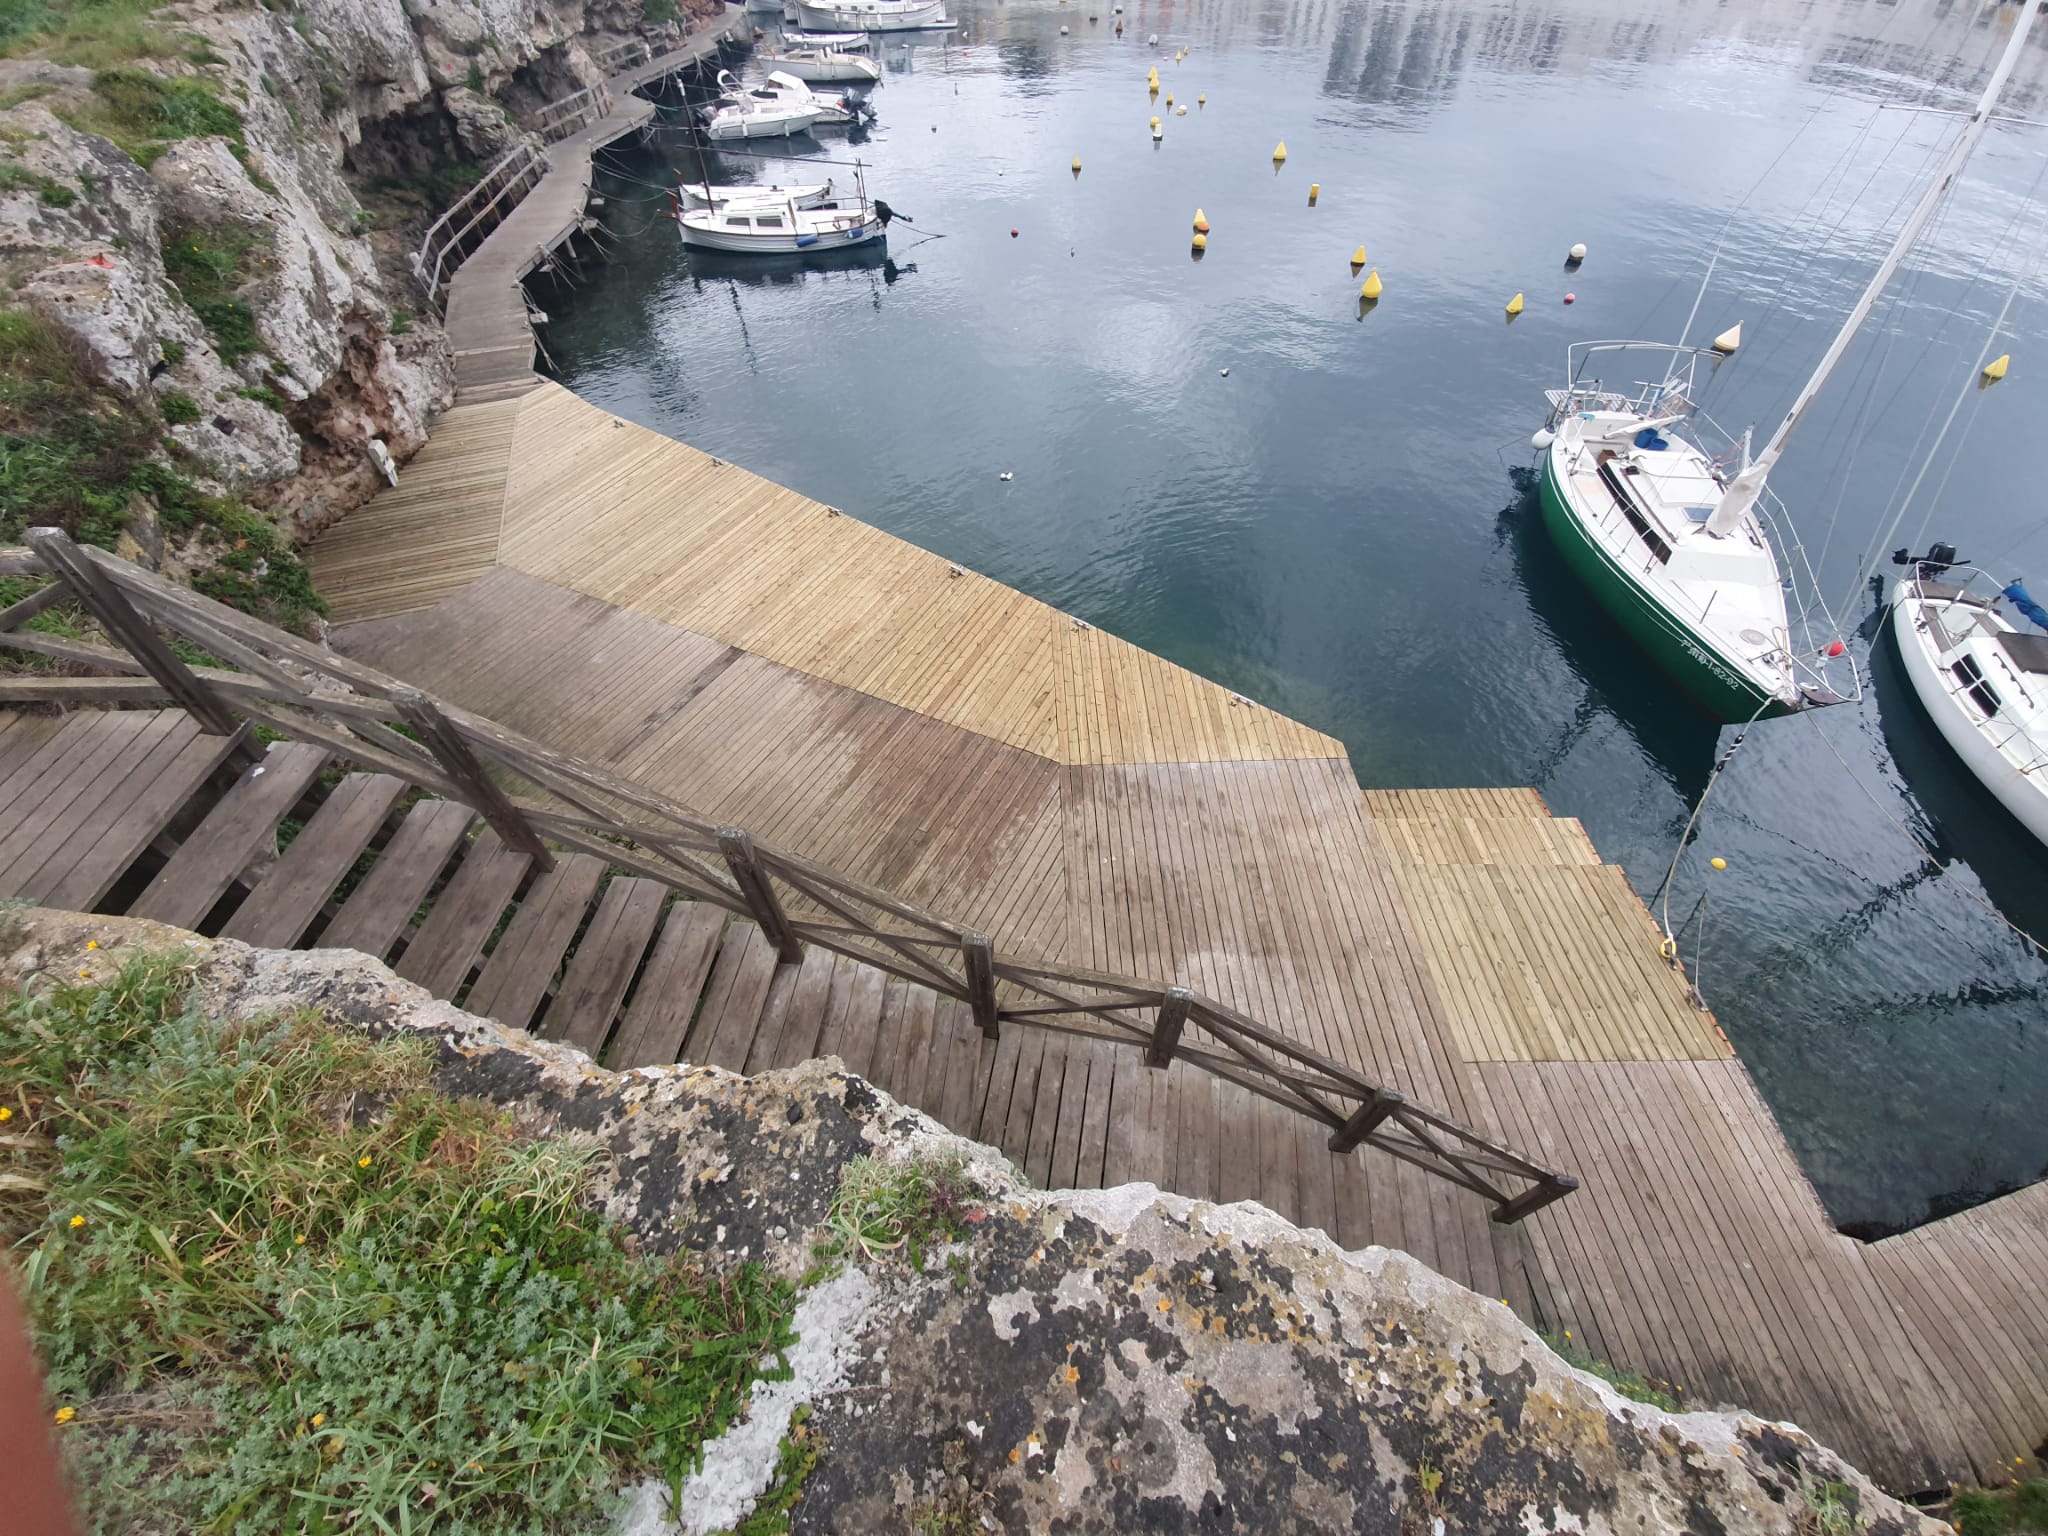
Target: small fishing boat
{"x":871,"y":15}
{"x":1981,"y":676}
{"x":697,"y":194}
{"x":782,"y":228}
{"x":833,"y":111}
{"x":838,"y":62}
{"x":800,"y":39}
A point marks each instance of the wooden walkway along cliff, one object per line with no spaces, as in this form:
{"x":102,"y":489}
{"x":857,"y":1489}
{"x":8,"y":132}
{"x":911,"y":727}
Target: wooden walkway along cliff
{"x":724,"y":642}
{"x":760,"y":656}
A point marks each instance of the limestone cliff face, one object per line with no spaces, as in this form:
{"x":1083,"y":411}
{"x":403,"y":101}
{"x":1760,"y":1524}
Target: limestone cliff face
{"x":1109,"y":1361}
{"x":335,"y":98}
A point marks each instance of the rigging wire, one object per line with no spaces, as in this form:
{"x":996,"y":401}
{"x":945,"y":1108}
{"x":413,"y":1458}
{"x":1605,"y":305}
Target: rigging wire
{"x":1685,"y":837}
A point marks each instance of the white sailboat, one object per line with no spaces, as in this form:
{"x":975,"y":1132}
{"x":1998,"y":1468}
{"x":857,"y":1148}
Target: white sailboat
{"x":1682,"y":545}
{"x":1981,"y":676}
{"x":781,"y":228}
{"x":840,"y":62}
{"x":698,"y":194}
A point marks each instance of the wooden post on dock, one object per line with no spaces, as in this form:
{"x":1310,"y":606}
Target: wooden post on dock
{"x":738,"y":847}
{"x":1534,"y":1198}
{"x":1173,"y":1017}
{"x":441,"y":738}
{"x":131,"y":631}
{"x":980,"y":957}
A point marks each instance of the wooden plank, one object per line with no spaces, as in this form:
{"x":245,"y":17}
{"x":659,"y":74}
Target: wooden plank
{"x":48,"y":811}
{"x":290,"y":896}
{"x":740,"y":979}
{"x":806,"y":1013}
{"x":381,"y":907}
{"x":522,"y":966}
{"x":450,"y":941}
{"x":231,"y":837}
{"x":604,"y":965}
{"x":665,"y":1001}
{"x":774,"y":1015}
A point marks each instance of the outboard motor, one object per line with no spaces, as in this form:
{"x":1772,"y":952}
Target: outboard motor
{"x":1939,"y":557}
{"x":885,"y":213}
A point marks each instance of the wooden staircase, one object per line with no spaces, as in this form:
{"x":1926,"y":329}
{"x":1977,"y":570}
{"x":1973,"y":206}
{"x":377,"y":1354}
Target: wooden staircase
{"x":137,"y":812}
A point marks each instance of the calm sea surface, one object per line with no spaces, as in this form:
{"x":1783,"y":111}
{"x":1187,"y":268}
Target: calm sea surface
{"x":1342,"y":526}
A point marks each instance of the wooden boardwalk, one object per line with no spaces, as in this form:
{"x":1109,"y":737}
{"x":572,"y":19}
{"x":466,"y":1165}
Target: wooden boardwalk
{"x":760,"y":657}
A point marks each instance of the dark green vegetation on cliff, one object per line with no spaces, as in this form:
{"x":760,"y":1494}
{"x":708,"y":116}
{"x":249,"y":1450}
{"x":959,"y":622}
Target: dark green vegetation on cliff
{"x":276,"y":1277}
{"x":86,"y":460}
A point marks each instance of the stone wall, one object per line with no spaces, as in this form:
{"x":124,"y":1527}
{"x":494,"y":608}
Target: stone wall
{"x":1106,"y":1361}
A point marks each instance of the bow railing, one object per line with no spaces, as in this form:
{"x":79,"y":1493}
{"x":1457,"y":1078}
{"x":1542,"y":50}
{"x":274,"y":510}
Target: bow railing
{"x":538,"y":799}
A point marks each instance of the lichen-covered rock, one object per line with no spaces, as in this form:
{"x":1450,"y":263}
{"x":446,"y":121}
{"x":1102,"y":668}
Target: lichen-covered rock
{"x":1106,"y":1361}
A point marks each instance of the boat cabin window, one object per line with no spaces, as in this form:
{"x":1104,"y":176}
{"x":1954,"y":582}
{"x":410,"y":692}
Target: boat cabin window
{"x":737,"y":221}
{"x":1624,"y":499}
{"x":1981,"y":693}
{"x":768,"y":221}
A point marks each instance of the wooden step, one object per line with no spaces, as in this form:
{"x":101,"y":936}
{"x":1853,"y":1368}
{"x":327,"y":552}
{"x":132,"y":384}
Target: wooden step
{"x":464,"y":916}
{"x":233,"y":835}
{"x":290,"y":897}
{"x":380,"y":909}
{"x":732,"y":1002}
{"x":516,"y":977}
{"x":605,"y":961}
{"x":801,"y":1020}
{"x":666,"y":1000}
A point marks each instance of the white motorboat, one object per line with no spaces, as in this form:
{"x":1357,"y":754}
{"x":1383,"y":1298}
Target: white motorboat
{"x":760,"y":113}
{"x":782,"y":228}
{"x":697,"y":194}
{"x":799,"y":39}
{"x":1683,"y":546}
{"x":1982,"y":678}
{"x":839,"y":62}
{"x":784,"y":92}
{"x":870,"y":15}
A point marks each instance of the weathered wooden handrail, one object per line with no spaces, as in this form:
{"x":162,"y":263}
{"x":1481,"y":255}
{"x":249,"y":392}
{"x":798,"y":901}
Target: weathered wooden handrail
{"x":534,"y":795}
{"x":632,"y":52}
{"x":572,"y":113}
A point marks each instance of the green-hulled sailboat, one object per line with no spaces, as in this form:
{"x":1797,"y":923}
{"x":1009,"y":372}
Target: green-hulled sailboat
{"x":1684,"y":546}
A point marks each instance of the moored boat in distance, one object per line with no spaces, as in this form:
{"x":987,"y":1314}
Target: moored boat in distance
{"x":840,"y":62}
{"x":870,"y":15}
{"x":697,"y":194}
{"x":782,"y":228}
{"x":1981,"y":677}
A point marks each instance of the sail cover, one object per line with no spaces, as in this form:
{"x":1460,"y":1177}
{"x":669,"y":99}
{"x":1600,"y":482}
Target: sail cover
{"x":2023,"y":600}
{"x":1742,"y":494}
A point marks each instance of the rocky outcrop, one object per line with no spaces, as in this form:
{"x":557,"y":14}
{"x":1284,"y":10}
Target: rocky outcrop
{"x":1115,"y":1360}
{"x":331,"y":96}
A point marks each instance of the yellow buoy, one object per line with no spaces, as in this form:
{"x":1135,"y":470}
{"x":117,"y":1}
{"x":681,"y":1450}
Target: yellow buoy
{"x":1152,"y":76}
{"x":1077,"y":165}
{"x":1373,"y":286}
{"x":1202,"y":100}
{"x":1729,"y":339}
{"x":1315,"y":190}
{"x":1169,"y":98}
{"x":1155,"y":123}
{"x":1515,"y":305}
{"x":1718,"y":863}
{"x":1201,"y":222}
{"x":1995,"y":369}
{"x":1357,"y":260}
{"x":1201,"y":241}
{"x":1280,"y":150}
{"x":1181,"y":110}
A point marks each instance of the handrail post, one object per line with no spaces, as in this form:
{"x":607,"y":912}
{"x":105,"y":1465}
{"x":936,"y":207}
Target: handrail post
{"x":130,"y":630}
{"x":1173,"y":1017}
{"x":979,"y":955}
{"x":441,"y":739}
{"x":1534,"y":1198}
{"x":1366,"y":1119}
{"x":738,"y":847}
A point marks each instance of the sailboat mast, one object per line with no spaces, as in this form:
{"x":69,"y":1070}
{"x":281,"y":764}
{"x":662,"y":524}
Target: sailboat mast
{"x":1916,"y":221}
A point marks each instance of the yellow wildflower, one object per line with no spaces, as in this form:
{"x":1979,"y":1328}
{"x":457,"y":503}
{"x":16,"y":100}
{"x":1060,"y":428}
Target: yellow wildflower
{"x":85,"y":975}
{"x":319,"y":1419}
{"x":66,"y":1414}
{"x":299,"y":1241}
{"x":92,"y":943}
{"x":363,"y":1161}
{"x":77,"y":1222}
{"x":6,"y":1113}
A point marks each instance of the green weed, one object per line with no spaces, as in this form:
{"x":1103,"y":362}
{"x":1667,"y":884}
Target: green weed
{"x":146,"y":113}
{"x":1641,"y":1389}
{"x":883,"y":1207}
{"x":50,"y":192}
{"x":275,"y":1265}
{"x":179,"y":408}
{"x":209,"y":262}
{"x":2022,"y":1508}
{"x":794,"y":1462}
{"x":264,"y":396}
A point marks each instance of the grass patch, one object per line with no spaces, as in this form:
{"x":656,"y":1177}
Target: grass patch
{"x":305,"y":1290}
{"x":885,"y":1207}
{"x":2021,"y":1510}
{"x":264,"y":396}
{"x":660,"y":10}
{"x":146,"y":113}
{"x":1641,"y":1389}
{"x":91,"y":33}
{"x":50,"y":192}
{"x":179,"y":408}
{"x":209,"y":262}
{"x":66,"y":621}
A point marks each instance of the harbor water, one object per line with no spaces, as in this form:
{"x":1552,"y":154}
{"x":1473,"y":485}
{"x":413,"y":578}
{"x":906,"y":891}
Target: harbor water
{"x":1328,"y":505}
